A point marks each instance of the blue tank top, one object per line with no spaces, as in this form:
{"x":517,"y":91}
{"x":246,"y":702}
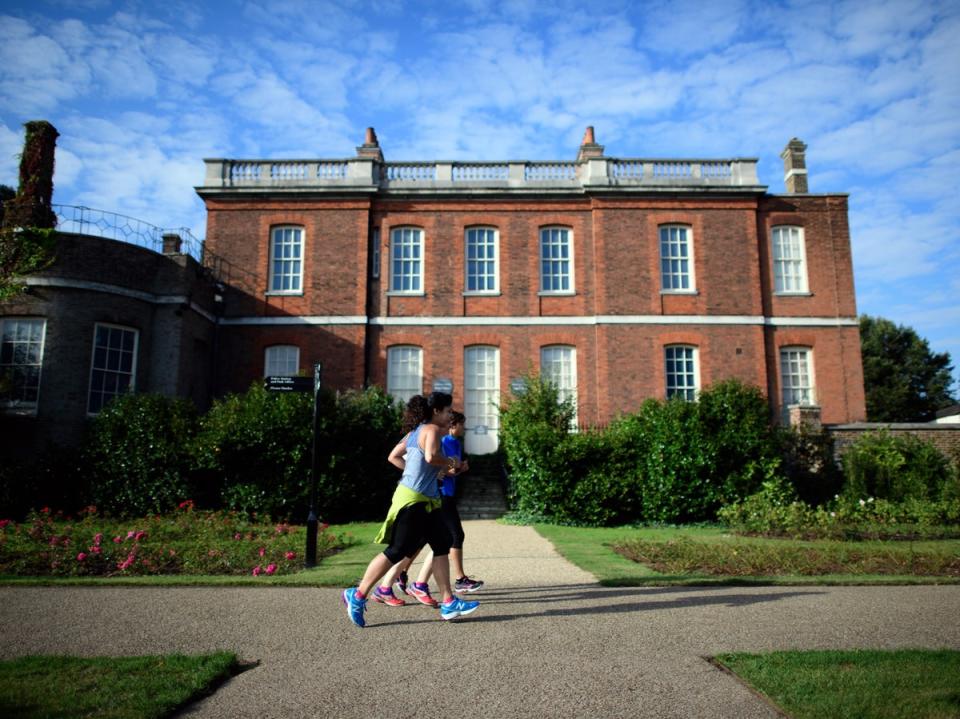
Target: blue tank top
{"x":417,"y":474}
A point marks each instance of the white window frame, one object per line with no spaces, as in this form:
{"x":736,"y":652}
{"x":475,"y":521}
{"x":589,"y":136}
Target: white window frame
{"x":401,"y":237}
{"x":10,"y":337}
{"x":795,"y":361}
{"x":789,"y":268}
{"x":558,"y":365}
{"x":375,"y":253}
{"x":281,"y":361}
{"x":491,"y":242}
{"x":131,"y":374}
{"x":685,"y":381}
{"x":546,"y":237}
{"x":404,"y":371}
{"x":481,"y":397}
{"x":670,"y":274}
{"x":291,"y":265}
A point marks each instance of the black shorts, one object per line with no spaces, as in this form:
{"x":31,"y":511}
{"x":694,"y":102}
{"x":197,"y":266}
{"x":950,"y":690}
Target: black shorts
{"x":413,"y":528}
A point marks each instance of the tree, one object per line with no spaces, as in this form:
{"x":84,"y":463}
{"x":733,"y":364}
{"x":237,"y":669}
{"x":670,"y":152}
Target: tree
{"x":904,"y":380}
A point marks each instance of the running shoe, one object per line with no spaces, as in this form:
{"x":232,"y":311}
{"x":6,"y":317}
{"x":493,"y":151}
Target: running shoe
{"x":465,"y":584}
{"x":457,"y":607}
{"x":355,"y":607}
{"x":385,"y":595}
{"x":401,"y":584}
{"x":422,"y":594}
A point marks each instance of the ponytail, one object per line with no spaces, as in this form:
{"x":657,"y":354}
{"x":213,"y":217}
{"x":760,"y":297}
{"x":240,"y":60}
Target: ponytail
{"x":420,"y":409}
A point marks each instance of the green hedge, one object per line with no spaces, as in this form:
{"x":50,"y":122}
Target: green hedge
{"x":146,"y":453}
{"x":136,"y":458}
{"x":669,"y":462}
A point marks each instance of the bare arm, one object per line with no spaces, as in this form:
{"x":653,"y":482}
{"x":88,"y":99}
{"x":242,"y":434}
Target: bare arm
{"x":396,"y":454}
{"x":430,"y":443}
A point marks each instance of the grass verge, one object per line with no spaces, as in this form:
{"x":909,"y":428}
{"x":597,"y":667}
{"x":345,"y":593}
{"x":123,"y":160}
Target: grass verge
{"x":108,"y":687}
{"x":592,"y":549}
{"x":858,"y":684}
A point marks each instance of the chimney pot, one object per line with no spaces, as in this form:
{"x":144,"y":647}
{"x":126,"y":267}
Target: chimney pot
{"x":370,"y":149}
{"x":588,"y":146}
{"x":172,"y":243}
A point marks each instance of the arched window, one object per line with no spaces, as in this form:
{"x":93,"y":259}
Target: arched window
{"x":481,"y":247}
{"x":404,"y":371}
{"x":281,"y":361}
{"x":682,"y":371}
{"x":676,"y":259}
{"x":558,"y":365}
{"x":406,"y":260}
{"x":286,"y":260}
{"x":556,"y":260}
{"x":789,"y":260}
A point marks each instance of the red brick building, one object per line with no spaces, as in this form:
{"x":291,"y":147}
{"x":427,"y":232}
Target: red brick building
{"x":620,"y":279}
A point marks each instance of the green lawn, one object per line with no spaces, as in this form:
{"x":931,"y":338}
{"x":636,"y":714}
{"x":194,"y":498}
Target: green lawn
{"x":39,"y":687}
{"x":855,"y":684}
{"x":592,"y":550}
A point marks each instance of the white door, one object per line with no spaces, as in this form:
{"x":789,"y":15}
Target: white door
{"x":481,"y":368}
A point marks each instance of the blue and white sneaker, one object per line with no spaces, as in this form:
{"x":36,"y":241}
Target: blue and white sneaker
{"x":355,"y":607}
{"x":457,"y":607}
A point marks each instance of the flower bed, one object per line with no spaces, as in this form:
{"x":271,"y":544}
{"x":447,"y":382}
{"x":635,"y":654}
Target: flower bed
{"x":187,"y":542}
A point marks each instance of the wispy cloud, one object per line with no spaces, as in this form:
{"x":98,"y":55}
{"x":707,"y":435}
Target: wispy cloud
{"x":142,"y":92}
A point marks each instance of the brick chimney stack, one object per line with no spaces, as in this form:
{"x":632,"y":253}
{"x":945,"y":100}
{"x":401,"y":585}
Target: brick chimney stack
{"x":370,"y":149}
{"x":795,"y":167}
{"x":588,"y":146}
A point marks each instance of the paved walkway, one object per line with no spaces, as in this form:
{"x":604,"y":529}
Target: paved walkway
{"x":547,"y":640}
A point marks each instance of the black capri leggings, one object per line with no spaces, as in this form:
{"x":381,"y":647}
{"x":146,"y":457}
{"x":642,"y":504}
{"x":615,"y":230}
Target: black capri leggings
{"x":451,"y":518}
{"x":414,"y":527}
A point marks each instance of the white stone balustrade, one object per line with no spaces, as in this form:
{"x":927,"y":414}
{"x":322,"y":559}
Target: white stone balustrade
{"x":370,"y":175}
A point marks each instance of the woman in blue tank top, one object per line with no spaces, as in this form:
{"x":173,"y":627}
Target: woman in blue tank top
{"x":414,"y":517}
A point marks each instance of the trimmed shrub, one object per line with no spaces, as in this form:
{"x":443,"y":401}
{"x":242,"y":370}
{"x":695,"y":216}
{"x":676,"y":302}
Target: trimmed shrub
{"x":252,"y":451}
{"x":672,"y":461}
{"x":885,"y":466}
{"x":355,"y":480}
{"x":136,"y":455}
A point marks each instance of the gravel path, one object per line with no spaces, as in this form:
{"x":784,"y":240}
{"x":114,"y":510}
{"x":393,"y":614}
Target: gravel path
{"x":547,"y":639}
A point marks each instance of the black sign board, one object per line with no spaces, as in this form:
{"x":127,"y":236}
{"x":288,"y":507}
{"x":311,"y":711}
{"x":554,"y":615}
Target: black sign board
{"x":288,"y":384}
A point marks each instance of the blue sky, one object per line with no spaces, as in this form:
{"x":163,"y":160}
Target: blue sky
{"x":142,"y":91}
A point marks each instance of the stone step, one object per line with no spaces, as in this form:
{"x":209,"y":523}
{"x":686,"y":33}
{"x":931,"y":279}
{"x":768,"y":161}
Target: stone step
{"x":481,"y":497}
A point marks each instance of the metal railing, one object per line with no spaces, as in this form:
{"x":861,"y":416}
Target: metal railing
{"x":114,"y":226}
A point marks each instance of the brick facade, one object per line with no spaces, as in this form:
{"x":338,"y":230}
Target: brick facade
{"x":617,"y":318}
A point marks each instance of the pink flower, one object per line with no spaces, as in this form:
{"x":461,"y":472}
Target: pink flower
{"x":187,"y":505}
{"x":290,"y":555}
{"x":117,"y":540}
{"x":53,"y":540}
{"x":81,"y":557}
{"x":130,"y":534}
{"x":4,"y":523}
{"x":256,"y":571}
{"x":262,"y":551}
{"x":97,"y":538}
{"x":45,"y":510}
{"x":238,"y":536}
{"x":271,"y":568}
{"x":139,"y":535}
{"x":95,"y":549}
